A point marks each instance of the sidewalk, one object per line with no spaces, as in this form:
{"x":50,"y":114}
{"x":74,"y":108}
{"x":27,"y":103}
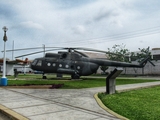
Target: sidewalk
{"x":59,"y":104}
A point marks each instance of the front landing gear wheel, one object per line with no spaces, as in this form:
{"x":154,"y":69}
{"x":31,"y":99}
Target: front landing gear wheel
{"x":75,"y":76}
{"x":44,"y":76}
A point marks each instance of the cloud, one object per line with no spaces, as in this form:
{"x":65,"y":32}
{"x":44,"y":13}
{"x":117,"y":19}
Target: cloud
{"x":70,"y":4}
{"x":116,"y":23}
{"x":79,"y":29}
{"x":31,"y":24}
{"x":105,"y":14}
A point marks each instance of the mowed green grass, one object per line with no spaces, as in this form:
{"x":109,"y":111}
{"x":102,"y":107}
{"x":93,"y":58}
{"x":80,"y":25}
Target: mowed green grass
{"x":141,"y":104}
{"x":84,"y":82}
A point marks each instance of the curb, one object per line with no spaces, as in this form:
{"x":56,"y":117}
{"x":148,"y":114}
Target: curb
{"x":56,"y":86}
{"x":29,"y":87}
{"x":11,"y":114}
{"x":138,"y":88}
{"x":107,"y":109}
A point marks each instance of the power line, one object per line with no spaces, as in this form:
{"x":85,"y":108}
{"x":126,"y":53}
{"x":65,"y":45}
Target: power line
{"x":131,"y":34}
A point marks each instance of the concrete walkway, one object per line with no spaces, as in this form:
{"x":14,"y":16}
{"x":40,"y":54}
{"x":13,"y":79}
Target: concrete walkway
{"x":58,"y":104}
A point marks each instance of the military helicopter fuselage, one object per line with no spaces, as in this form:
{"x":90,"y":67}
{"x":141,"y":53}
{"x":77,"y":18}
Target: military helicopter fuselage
{"x":65,"y":62}
{"x":75,"y":63}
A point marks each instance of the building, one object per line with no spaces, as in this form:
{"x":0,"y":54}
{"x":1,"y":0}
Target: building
{"x":19,"y":65}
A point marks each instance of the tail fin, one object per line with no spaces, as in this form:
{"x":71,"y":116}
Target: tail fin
{"x":144,"y":61}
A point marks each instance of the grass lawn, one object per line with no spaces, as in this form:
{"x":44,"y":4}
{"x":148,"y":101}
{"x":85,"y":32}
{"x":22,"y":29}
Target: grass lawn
{"x":85,"y":82}
{"x":141,"y":104}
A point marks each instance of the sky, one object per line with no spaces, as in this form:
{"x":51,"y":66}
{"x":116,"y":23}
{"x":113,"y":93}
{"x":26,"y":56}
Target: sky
{"x":97,"y":24}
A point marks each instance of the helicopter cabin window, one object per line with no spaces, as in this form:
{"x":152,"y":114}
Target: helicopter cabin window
{"x":67,"y":66}
{"x":49,"y":64}
{"x":39,"y":63}
{"x":60,"y":65}
{"x":54,"y":64}
{"x":78,"y":67}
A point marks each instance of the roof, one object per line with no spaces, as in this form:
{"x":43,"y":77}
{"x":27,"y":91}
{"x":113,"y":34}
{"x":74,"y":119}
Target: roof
{"x":16,"y":61}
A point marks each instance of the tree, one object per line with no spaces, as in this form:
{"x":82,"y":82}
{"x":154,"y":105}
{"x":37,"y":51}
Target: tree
{"x":121,"y":52}
{"x":124,"y":55}
{"x":104,"y":68}
{"x":138,"y":56}
{"x":144,"y":52}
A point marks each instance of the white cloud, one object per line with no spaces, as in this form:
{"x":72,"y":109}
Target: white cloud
{"x":79,"y":29}
{"x":116,"y":23}
{"x":31,"y":24}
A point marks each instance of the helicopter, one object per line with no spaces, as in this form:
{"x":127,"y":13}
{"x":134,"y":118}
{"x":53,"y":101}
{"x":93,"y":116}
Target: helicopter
{"x":75,"y":63}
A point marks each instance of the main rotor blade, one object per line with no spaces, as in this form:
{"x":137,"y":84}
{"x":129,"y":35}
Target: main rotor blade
{"x":68,"y":48}
{"x":58,"y":48}
{"x":22,"y":49}
{"x":30,"y":48}
{"x":35,"y":53}
{"x":81,"y":53}
{"x":94,"y":50}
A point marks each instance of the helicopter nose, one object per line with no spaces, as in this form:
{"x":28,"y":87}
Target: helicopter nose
{"x":33,"y":63}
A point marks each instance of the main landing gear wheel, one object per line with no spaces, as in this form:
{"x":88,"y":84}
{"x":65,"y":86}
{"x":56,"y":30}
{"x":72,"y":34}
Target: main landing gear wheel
{"x":44,"y":76}
{"x":75,"y":76}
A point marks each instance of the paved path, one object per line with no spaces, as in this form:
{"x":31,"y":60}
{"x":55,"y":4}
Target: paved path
{"x":59,"y":104}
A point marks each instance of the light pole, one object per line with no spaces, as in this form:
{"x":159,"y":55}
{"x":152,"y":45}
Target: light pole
{"x":4,"y":79}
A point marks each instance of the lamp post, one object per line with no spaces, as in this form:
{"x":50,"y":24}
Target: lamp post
{"x":4,"y":79}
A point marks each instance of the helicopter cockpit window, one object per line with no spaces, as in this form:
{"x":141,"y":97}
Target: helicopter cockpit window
{"x":39,"y":63}
{"x":34,"y":62}
{"x":63,"y":56}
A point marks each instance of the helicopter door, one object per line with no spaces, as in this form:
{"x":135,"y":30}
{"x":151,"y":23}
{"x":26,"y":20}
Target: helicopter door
{"x":65,"y":63}
{"x":74,"y":60}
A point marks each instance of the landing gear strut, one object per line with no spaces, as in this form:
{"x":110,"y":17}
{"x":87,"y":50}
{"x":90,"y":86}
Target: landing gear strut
{"x":75,"y":76}
{"x":44,"y":76}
